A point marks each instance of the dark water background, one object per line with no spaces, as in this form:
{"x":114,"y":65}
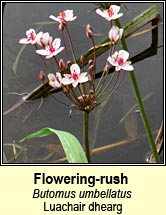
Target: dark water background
{"x":106,"y":128}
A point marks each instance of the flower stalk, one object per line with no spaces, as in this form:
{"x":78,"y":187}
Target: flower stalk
{"x":71,"y":45}
{"x":86,"y":134}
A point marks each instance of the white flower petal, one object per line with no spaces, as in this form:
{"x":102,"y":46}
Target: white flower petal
{"x":24,"y":41}
{"x":115,"y":55}
{"x":75,"y":83}
{"x":115,"y":8}
{"x":118,"y":67}
{"x":56,"y":43}
{"x":101,"y":13}
{"x":83,"y":79}
{"x":112,"y":61}
{"x":59,"y":50}
{"x":45,"y":39}
{"x":128,"y":68}
{"x":75,"y":68}
{"x":39,"y":35}
{"x":69,"y":15}
{"x":53,"y":81}
{"x":31,"y":30}
{"x":83,"y":74}
{"x":51,"y":77}
{"x":54,"y":18}
{"x":42,"y":52}
{"x":58,"y":75}
{"x":117,"y":16}
{"x":123,"y":54}
{"x":115,"y":34}
{"x":66,"y":81}
{"x":49,"y":56}
{"x":54,"y":84}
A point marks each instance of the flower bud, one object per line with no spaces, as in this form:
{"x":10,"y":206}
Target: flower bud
{"x":61,"y":64}
{"x":41,"y":76}
{"x":66,"y":90}
{"x":81,"y":99}
{"x":89,"y":78}
{"x":91,"y":92}
{"x":90,"y":62}
{"x":89,"y":31}
{"x":68,"y":63}
{"x":91,"y":68}
{"x":82,"y":59}
{"x":106,"y":69}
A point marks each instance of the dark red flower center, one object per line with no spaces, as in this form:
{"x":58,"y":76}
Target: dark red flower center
{"x":51,"y":48}
{"x":32,"y":36}
{"x":110,"y":12}
{"x":75,"y":76}
{"x":120,"y":61}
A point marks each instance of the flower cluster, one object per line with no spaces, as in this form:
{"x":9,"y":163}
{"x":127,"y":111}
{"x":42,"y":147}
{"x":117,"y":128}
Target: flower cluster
{"x":79,"y":86}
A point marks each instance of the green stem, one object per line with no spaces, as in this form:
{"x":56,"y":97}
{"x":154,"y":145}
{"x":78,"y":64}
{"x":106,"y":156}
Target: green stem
{"x":86,"y":135}
{"x":140,"y":104}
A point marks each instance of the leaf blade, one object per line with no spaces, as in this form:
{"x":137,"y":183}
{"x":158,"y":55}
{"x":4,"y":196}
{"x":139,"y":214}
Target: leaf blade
{"x":72,"y":148}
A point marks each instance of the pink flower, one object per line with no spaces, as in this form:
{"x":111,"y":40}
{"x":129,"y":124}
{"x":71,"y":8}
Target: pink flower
{"x":119,"y":60}
{"x":75,"y":77}
{"x":55,"y":80}
{"x":64,"y":16}
{"x":115,"y":34}
{"x":32,"y":37}
{"x":110,"y":13}
{"x":51,"y":49}
{"x":45,"y":40}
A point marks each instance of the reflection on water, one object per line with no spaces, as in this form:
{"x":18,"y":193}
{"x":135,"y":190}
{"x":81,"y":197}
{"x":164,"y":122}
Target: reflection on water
{"x":119,"y":128}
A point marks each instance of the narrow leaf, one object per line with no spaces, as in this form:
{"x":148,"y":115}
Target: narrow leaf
{"x":14,"y":67}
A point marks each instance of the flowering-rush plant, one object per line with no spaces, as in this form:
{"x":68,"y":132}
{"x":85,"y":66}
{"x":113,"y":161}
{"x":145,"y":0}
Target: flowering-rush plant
{"x":80,"y":86}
